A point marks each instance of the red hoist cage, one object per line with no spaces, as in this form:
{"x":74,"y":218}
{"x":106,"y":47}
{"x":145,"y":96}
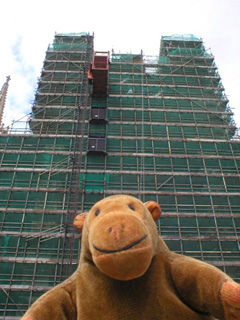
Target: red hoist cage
{"x":98,"y":73}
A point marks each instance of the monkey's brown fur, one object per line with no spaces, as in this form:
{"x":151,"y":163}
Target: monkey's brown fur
{"x":127,"y":272}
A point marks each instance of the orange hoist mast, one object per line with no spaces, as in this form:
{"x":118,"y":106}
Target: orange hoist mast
{"x":98,"y":73}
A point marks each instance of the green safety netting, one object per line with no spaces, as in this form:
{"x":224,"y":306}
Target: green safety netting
{"x":72,"y":35}
{"x":182,"y":37}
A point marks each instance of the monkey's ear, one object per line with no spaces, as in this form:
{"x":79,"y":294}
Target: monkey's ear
{"x":154,"y":208}
{"x":79,"y":221}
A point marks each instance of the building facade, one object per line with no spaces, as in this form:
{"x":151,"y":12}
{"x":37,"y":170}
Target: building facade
{"x":157,"y":128}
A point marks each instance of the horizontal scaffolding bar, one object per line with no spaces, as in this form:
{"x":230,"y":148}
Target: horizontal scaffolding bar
{"x":175,"y":237}
{"x":205,"y":111}
{"x":161,"y":85}
{"x":213,"y":76}
{"x":35,"y":260}
{"x":165,"y":96}
{"x":75,"y":262}
{"x":56,"y":235}
{"x":26,"y":288}
{"x":127,"y":154}
{"x":130,"y":172}
{"x":128,"y":192}
{"x":169,"y":124}
{"x":163,"y":214}
{"x":168,"y":64}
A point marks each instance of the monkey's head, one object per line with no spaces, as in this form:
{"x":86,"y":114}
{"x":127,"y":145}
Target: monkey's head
{"x":120,"y":235}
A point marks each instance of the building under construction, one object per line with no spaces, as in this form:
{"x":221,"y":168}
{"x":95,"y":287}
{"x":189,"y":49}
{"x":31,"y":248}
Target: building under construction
{"x":154,"y":127}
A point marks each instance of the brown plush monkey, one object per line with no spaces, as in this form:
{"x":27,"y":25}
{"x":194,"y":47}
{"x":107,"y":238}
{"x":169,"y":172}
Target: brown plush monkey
{"x":127,"y":272}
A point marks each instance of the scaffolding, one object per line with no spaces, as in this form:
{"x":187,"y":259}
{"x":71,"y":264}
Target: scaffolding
{"x":161,"y":130}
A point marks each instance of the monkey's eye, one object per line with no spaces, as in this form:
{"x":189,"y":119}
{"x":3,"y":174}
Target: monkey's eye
{"x":131,"y":207}
{"x":97,"y":212}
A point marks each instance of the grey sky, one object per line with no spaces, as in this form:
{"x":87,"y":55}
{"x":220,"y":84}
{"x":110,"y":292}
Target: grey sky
{"x":27,"y":27}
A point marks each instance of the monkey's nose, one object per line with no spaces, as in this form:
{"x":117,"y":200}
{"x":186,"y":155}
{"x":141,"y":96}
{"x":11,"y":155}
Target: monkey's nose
{"x":116,"y":232}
